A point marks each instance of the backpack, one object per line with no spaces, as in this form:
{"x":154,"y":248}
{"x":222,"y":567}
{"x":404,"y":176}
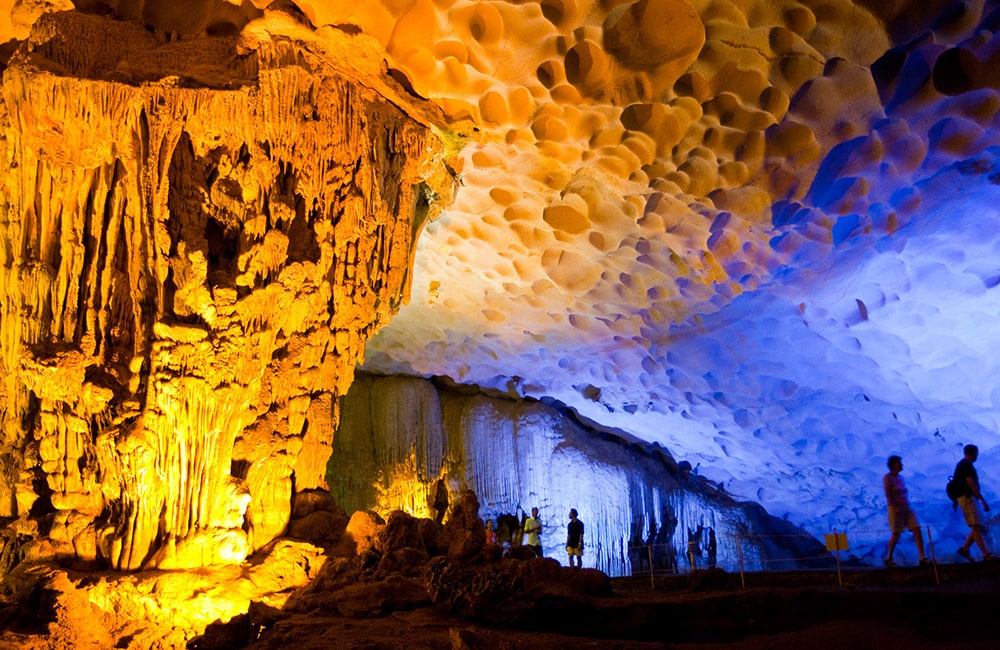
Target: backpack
{"x":954,"y":491}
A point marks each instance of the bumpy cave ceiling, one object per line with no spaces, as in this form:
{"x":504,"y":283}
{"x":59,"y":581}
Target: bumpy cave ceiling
{"x":760,"y":233}
{"x":764,"y":234}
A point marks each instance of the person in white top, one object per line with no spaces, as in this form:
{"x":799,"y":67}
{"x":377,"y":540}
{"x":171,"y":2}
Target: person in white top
{"x":533,"y":532}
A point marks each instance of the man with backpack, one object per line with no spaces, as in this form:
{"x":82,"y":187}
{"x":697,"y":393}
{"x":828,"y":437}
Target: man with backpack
{"x":968,"y":493}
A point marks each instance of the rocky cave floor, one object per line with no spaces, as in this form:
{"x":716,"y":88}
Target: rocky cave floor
{"x":898,"y":608}
{"x":873,"y":608}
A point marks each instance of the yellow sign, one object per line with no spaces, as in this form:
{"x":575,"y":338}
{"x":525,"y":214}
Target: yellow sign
{"x":836,"y":542}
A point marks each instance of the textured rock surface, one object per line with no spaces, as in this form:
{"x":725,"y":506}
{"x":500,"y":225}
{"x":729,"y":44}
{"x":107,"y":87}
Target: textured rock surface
{"x":399,"y":437}
{"x":766,"y":241}
{"x":199,"y":236}
{"x":157,"y":609}
{"x":760,"y":233}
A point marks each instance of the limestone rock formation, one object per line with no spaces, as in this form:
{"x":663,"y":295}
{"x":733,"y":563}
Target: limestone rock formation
{"x":757,"y":232}
{"x":198,"y":237}
{"x":400,"y":437}
{"x":158,"y":609}
{"x":401,"y":573}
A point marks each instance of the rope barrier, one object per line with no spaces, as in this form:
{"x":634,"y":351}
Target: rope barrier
{"x":679,"y":562}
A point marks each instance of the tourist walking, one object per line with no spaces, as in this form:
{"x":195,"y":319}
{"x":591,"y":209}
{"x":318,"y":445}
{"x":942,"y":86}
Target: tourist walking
{"x":969,"y":498}
{"x":901,"y":515}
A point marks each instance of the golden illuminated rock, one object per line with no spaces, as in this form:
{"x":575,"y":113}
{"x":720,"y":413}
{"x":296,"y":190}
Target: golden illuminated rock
{"x":199,"y":237}
{"x":210,"y":206}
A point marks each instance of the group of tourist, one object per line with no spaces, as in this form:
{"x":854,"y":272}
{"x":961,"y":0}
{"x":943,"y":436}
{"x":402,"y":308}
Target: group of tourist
{"x":968,"y":497}
{"x":530,"y":531}
{"x":901,"y":516}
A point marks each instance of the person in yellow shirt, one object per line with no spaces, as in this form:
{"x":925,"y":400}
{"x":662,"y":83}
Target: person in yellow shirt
{"x":533,"y":532}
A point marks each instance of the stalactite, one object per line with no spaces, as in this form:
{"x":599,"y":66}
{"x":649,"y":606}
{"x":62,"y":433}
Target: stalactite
{"x":179,"y":314}
{"x":517,"y":455}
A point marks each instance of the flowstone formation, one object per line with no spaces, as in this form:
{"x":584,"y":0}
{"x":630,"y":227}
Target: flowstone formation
{"x":405,"y":443}
{"x":198,"y":236}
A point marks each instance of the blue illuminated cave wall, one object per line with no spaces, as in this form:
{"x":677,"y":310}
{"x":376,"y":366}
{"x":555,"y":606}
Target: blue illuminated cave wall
{"x":870,"y":327}
{"x":400,"y":436}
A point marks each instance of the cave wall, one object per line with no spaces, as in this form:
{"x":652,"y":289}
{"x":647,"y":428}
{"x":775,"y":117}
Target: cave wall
{"x":196,"y":240}
{"x":399,"y":436}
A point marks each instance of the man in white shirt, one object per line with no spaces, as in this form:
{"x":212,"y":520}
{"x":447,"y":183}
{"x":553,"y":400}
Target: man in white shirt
{"x":533,"y":532}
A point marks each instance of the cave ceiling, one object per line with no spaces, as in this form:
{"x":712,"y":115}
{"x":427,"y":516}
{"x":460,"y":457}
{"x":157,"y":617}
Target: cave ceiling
{"x":761,"y":233}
